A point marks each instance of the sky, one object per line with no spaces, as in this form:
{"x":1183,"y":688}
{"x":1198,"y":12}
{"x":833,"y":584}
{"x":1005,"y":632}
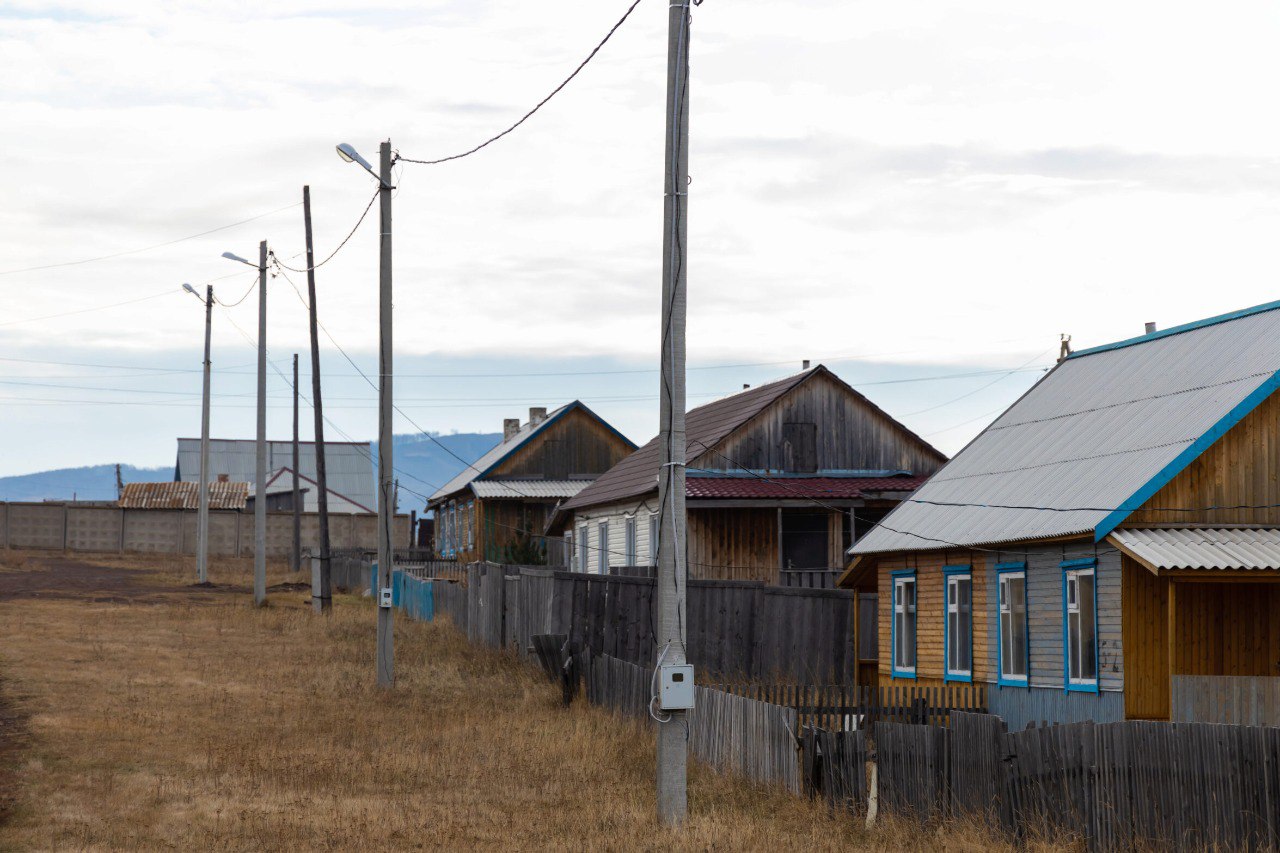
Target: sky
{"x":922,"y":196}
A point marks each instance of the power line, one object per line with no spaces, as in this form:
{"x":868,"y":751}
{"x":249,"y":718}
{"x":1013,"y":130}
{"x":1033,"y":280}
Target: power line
{"x":350,"y":234}
{"x":537,"y":106}
{"x":149,"y":248}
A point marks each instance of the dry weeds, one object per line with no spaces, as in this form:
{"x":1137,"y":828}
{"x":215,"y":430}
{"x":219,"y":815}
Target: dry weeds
{"x":184,"y":718}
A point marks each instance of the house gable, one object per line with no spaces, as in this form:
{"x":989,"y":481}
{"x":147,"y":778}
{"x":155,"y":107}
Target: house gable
{"x":577,"y":445}
{"x":821,"y":424}
{"x":1241,"y":468}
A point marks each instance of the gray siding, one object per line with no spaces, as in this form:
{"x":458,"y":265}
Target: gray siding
{"x":1019,"y":706}
{"x":1044,"y":597}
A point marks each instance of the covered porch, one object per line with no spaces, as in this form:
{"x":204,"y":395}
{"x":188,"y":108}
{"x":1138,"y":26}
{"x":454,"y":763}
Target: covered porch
{"x":1201,"y":624}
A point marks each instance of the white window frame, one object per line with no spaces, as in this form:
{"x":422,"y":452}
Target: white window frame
{"x":1006,"y":615}
{"x":602,"y":545}
{"x":1074,"y":646}
{"x":906,"y":611}
{"x":584,"y":545}
{"x":952,"y":600}
{"x":654,"y":534}
{"x":630,"y":549}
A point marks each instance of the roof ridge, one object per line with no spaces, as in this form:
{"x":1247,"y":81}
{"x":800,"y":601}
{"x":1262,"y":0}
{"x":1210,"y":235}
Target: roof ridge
{"x":1178,"y":330}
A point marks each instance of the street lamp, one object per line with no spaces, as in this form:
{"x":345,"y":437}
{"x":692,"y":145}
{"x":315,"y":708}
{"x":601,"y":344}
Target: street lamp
{"x":260,"y":482}
{"x":386,"y":506}
{"x":202,"y":518}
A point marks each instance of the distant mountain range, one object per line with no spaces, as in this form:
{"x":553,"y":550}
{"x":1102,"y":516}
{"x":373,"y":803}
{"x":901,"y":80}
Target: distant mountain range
{"x":418,"y":459}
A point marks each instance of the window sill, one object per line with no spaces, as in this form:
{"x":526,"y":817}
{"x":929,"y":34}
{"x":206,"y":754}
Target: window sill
{"x":1082,"y":688}
{"x":963,"y":679}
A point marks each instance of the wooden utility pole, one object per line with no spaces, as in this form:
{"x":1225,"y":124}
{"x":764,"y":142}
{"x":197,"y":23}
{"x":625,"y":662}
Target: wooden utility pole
{"x":672,"y":781}
{"x":321,"y":590}
{"x":297,"y":486}
{"x":260,"y":485}
{"x":386,"y":497}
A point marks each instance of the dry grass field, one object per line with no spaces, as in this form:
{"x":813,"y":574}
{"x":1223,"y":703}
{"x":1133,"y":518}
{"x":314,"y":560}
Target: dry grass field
{"x":140,"y":712}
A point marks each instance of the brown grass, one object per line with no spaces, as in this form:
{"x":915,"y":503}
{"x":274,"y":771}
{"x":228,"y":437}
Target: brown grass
{"x":173,"y":717}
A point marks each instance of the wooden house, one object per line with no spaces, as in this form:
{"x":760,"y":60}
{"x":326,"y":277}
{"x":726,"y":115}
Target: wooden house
{"x":1107,"y":548}
{"x":498,"y":507}
{"x":782,"y":477}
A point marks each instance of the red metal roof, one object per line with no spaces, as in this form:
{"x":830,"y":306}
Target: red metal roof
{"x":783,"y":488}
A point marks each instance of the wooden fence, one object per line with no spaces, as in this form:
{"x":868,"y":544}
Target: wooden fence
{"x":736,"y":628}
{"x":839,"y":707}
{"x":835,"y":767}
{"x":731,"y":733}
{"x":1113,"y":786}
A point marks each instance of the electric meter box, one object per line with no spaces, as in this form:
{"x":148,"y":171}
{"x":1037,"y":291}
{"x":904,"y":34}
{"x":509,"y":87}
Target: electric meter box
{"x":676,"y":692}
{"x":384,"y":600}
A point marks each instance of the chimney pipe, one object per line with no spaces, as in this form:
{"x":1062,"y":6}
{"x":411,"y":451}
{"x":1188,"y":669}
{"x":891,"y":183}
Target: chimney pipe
{"x":537,"y":415}
{"x":510,"y":426}
{"x":745,"y":386}
{"x":1150,"y":327}
{"x":805,"y":364}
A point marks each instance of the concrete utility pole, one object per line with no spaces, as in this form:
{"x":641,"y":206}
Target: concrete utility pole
{"x":260,"y":484}
{"x":321,"y":590}
{"x":386,"y":498}
{"x":297,"y":487}
{"x":672,"y":781}
{"x":202,"y":516}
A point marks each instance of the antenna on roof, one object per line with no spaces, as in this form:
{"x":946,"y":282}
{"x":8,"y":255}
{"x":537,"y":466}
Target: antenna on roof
{"x":1065,"y":349}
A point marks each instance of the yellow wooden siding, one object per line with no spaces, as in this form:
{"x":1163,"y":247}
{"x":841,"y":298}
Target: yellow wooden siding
{"x":931,"y":615}
{"x":1241,"y":469}
{"x":1144,"y":603}
{"x":733,"y":544}
{"x":1227,"y":629}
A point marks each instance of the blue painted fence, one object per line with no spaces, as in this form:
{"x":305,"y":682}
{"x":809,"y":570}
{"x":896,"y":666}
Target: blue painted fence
{"x":414,"y":596}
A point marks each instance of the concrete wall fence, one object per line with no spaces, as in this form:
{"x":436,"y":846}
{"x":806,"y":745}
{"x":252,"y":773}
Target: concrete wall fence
{"x":95,"y":527}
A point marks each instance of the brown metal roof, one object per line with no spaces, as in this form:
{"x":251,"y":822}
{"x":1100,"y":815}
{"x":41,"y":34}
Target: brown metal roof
{"x":182,"y":495}
{"x":706,"y":425}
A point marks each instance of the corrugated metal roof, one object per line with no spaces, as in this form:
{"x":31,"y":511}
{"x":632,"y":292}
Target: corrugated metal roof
{"x":172,"y":495}
{"x":1202,"y":548}
{"x":348,"y":466}
{"x":786,"y":488}
{"x":527,"y":488}
{"x":1097,"y":433}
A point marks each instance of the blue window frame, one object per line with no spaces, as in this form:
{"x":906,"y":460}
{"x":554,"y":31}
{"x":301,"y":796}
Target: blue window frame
{"x":1080,"y":625}
{"x":902,"y":627}
{"x":957,"y":628}
{"x":1013,"y":635}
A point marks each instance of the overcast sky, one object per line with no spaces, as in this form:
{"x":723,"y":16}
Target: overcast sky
{"x":900,"y":190}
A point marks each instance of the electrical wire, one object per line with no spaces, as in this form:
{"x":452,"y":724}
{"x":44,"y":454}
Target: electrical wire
{"x":150,"y":248}
{"x":536,"y":107}
{"x":340,"y":246}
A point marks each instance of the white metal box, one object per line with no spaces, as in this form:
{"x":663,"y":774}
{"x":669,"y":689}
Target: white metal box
{"x":676,"y":692}
{"x":385,"y":599}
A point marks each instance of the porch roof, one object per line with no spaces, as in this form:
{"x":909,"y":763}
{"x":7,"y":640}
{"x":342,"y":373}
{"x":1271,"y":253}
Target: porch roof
{"x":1219,"y":548}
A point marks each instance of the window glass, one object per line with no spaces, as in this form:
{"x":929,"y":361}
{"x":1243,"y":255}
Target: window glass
{"x":631,"y":541}
{"x":1082,"y":648}
{"x":1013,"y":625}
{"x":959,"y":625}
{"x":653,"y":539}
{"x":602,"y":548}
{"x":904,"y":618}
